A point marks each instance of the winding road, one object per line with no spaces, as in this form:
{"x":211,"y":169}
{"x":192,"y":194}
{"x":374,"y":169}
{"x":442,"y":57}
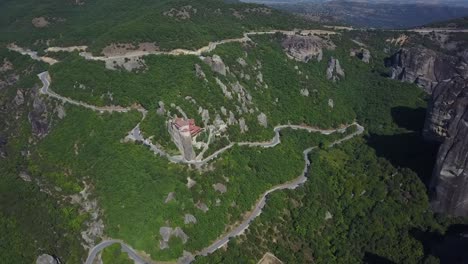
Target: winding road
{"x":135,"y":134}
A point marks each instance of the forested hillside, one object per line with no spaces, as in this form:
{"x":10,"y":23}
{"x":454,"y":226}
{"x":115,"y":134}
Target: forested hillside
{"x":94,"y":157}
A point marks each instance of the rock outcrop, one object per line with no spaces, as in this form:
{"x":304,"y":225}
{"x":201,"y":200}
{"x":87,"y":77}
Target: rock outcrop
{"x":334,"y":70}
{"x":363,"y":54}
{"x":425,"y":67}
{"x":306,"y":48}
{"x":46,"y":259}
{"x":448,"y":119}
{"x":38,"y":117}
{"x":446,"y":78}
{"x":217,"y":64}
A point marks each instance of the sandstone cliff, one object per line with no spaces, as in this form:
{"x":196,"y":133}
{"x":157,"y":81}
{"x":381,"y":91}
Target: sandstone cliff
{"x":446,"y":78}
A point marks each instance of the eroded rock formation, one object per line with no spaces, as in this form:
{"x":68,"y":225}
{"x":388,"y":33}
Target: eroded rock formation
{"x":305,"y":48}
{"x":448,"y":121}
{"x":446,"y":78}
{"x":334,"y":70}
{"x":425,"y":67}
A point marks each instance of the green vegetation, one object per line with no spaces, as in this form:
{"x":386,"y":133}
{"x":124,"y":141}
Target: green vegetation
{"x":99,"y":23}
{"x":459,"y":23}
{"x":370,"y":189}
{"x":114,"y":255}
{"x":132,"y":184}
{"x":371,"y":208}
{"x":33,"y":219}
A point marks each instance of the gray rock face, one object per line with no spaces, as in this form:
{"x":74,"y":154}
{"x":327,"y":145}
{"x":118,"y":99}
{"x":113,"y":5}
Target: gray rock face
{"x":362,"y":54}
{"x":334,"y":70}
{"x":202,"y":206}
{"x":46,"y":259}
{"x":305,"y":48}
{"x":199,"y":72}
{"x":189,"y":219}
{"x":38,"y":118}
{"x":170,"y":197}
{"x":446,"y":78}
{"x":19,"y":98}
{"x":448,"y":118}
{"x":262,"y":120}
{"x":425,"y":67}
{"x":220,"y":187}
{"x":442,"y":108}
{"x":217,"y":64}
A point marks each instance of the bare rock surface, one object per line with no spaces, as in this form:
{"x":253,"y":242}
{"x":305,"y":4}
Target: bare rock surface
{"x":362,"y":54}
{"x":446,"y":78}
{"x":448,"y":118}
{"x":19,"y":98}
{"x":262,"y":120}
{"x":216,"y":64}
{"x":189,"y":219}
{"x":220,"y":187}
{"x":182,"y":13}
{"x":334,"y":70}
{"x":306,"y":48}
{"x":243,"y":125}
{"x":202,"y":206}
{"x":425,"y":67}
{"x":179,"y":233}
{"x":38,"y":117}
{"x":186,"y":258}
{"x":6,"y":66}
{"x":40,"y":22}
{"x":46,"y":259}
{"x":190,"y":182}
{"x":60,"y":110}
{"x":331,"y":104}
{"x":199,"y":72}
{"x":170,"y":197}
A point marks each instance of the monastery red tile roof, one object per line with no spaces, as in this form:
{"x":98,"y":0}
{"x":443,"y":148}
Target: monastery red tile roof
{"x":187,"y":125}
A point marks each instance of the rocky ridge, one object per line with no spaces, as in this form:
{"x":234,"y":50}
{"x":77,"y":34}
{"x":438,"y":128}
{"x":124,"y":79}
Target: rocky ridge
{"x":445,"y":77}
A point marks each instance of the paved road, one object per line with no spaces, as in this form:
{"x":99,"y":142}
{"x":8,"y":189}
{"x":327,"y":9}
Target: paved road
{"x":208,"y":48}
{"x":301,"y":179}
{"x":135,"y":134}
{"x":32,"y":54}
{"x":258,"y":208}
{"x":45,"y":78}
{"x":441,"y":30}
{"x":125,"y":248}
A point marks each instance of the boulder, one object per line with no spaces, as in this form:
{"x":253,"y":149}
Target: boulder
{"x":46,"y":259}
{"x":189,"y":219}
{"x":262,"y":120}
{"x":217,"y":64}
{"x":220,"y":187}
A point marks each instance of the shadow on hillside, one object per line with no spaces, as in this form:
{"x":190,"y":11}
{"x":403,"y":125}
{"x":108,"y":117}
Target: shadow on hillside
{"x":449,"y":248}
{"x":411,"y":119}
{"x":407,"y":149}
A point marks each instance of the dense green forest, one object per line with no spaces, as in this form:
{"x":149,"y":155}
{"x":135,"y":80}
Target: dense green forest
{"x":33,"y":221}
{"x":364,"y":198}
{"x":72,"y":23}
